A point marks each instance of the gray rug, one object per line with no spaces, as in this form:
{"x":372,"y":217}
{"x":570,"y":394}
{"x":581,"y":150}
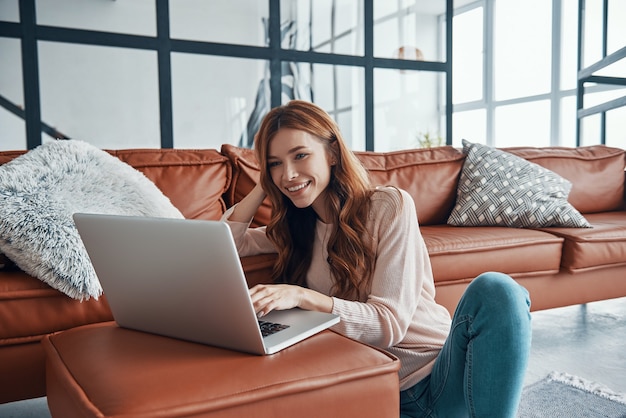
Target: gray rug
{"x":562,"y":395}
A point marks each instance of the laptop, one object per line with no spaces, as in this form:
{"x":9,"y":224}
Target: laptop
{"x":183,"y":278}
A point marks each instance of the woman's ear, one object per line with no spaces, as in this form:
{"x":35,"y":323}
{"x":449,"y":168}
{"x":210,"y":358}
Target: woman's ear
{"x":333,"y":153}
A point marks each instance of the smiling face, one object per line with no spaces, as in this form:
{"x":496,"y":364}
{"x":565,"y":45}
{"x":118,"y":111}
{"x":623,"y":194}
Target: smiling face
{"x":300,"y":166}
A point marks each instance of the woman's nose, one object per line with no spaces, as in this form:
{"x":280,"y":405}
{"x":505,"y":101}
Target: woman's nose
{"x":290,"y":173}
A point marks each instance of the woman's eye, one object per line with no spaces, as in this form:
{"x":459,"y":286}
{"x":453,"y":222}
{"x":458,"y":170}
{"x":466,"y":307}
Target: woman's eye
{"x":272,"y":164}
{"x":300,"y":156}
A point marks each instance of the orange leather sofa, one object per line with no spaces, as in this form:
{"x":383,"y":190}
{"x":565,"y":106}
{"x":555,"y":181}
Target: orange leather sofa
{"x":559,"y":266}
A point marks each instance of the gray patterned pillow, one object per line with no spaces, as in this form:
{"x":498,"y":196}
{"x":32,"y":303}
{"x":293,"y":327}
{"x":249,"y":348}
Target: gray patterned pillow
{"x":497,"y":188}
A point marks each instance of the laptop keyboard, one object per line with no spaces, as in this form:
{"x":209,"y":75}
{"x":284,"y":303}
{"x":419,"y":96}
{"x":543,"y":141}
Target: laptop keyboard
{"x":269,"y":328}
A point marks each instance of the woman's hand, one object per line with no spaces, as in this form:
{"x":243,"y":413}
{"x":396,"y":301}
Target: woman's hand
{"x":266,"y":298}
{"x":247,"y":207}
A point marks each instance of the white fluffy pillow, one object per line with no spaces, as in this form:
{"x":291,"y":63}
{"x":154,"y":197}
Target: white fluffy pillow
{"x":498,"y":188}
{"x":39,"y":192}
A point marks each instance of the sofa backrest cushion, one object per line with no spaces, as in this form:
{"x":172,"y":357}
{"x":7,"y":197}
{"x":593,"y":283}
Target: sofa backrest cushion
{"x":194,"y":180}
{"x":596,"y":173}
{"x":429,"y":175}
{"x":6,"y":156}
{"x":246,"y":175}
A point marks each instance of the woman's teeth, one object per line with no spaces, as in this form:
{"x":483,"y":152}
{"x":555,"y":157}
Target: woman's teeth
{"x":298,"y":187}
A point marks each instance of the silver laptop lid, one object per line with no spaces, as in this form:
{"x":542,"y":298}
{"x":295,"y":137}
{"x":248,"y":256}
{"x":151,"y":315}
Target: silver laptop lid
{"x":175,"y":277}
{"x":183,"y":278}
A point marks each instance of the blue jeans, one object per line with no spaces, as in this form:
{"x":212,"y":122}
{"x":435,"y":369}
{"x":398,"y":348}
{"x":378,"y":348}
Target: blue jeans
{"x":480,"y":370}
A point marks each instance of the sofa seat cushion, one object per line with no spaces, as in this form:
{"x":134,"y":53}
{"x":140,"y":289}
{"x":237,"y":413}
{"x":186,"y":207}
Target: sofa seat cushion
{"x":29,"y":309}
{"x":462,"y":253}
{"x":105,"y":371}
{"x":193,"y":180}
{"x":602,"y":246}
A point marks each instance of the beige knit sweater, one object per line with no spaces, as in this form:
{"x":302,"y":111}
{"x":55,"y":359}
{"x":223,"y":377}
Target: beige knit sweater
{"x":400,"y":314}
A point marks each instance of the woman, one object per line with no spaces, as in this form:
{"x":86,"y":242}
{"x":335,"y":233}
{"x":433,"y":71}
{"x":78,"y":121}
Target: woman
{"x":354,"y":250}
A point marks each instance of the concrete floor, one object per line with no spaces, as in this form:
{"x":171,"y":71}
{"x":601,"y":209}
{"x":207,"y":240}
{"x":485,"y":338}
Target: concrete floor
{"x":588,"y":341}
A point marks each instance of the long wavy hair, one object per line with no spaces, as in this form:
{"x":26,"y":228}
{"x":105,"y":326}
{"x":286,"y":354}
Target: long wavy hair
{"x":291,"y":229}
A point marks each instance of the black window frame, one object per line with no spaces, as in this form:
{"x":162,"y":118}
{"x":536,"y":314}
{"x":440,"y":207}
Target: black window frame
{"x":29,"y":32}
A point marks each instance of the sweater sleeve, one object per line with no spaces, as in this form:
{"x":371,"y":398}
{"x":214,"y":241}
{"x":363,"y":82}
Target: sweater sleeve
{"x":402,"y":266}
{"x":249,"y":241}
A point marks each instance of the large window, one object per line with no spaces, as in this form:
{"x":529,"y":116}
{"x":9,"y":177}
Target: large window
{"x":394,"y":74}
{"x":502,"y":65}
{"x":601,"y":104}
{"x":197,"y":74}
{"x":515,"y":72}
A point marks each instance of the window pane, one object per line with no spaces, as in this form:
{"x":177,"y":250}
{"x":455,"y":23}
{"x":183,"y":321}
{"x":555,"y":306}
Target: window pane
{"x":333,"y":26}
{"x":569,"y":44}
{"x":592,"y":32}
{"x":12,"y":131}
{"x":615,"y":122}
{"x":568,"y":122}
{"x":522,"y":48}
{"x":388,"y":45}
{"x":133,"y":17}
{"x":405,"y":106}
{"x":214,"y":99}
{"x":616,"y":127}
{"x":617,"y":69}
{"x":616,"y":28}
{"x":470,"y":125}
{"x":347,"y":24}
{"x":108,"y":97}
{"x":9,"y":11}
{"x":338,"y":90}
{"x":590,"y":128}
{"x":594,"y":98}
{"x":384,"y":8}
{"x":467,"y":71}
{"x":235,"y":21}
{"x":12,"y":128}
{"x":11,"y":85}
{"x":352,"y":125}
{"x":524,"y":124}
{"x":409,"y":31}
{"x":321,"y":25}
{"x":296,"y":81}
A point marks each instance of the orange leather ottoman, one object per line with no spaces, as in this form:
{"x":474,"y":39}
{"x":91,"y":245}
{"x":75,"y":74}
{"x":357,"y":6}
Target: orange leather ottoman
{"x":102,"y":370}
